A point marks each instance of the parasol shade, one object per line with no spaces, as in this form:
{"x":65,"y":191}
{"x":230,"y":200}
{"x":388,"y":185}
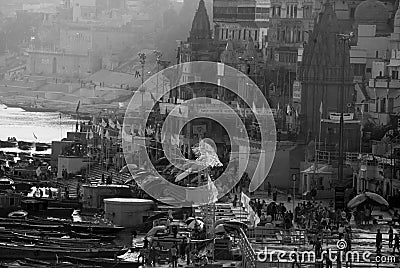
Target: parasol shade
{"x":367,"y":197}
{"x":194,"y":223}
{"x":220,"y":229}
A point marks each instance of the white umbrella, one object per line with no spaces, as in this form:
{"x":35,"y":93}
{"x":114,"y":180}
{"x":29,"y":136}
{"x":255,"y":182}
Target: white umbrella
{"x":195,"y":223}
{"x":220,"y":229}
{"x":128,"y":167}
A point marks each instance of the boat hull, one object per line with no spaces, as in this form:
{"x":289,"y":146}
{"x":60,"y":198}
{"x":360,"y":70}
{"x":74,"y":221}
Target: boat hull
{"x":15,"y":252}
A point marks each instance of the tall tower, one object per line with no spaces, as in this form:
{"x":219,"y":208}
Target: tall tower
{"x":201,"y":24}
{"x":325,"y":61}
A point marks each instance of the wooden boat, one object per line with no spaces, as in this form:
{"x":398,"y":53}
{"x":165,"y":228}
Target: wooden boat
{"x":103,"y":262}
{"x":19,"y":214}
{"x":67,"y":242}
{"x":14,"y":251}
{"x":96,"y":236}
{"x":95,"y":228}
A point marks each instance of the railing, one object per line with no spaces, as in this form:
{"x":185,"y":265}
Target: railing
{"x":260,"y":234}
{"x":329,"y":157}
{"x":249,"y":256}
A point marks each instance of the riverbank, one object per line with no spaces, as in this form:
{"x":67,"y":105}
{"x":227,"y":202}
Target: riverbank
{"x":86,"y":111}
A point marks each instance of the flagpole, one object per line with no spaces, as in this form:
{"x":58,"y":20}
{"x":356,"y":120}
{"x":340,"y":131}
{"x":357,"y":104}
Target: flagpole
{"x":361,"y":127}
{"x":320,"y":130}
{"x":60,"y":128}
{"x":320,"y":126}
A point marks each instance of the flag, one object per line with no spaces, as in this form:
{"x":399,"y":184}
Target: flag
{"x":77,"y":107}
{"x":34,"y":136}
{"x":140,"y":130}
{"x":107,"y":135}
{"x":212,"y":190}
{"x":254,"y":108}
{"x":288,"y":109}
{"x":118,"y":125}
{"x":90,"y":135}
{"x":320,"y":108}
{"x":152,"y":97}
{"x":238,"y":108}
{"x":111,"y":123}
{"x":297,"y":113}
{"x":38,"y":171}
{"x":103,"y":123}
{"x":278,"y":108}
{"x":163,"y":136}
{"x":175,"y":139}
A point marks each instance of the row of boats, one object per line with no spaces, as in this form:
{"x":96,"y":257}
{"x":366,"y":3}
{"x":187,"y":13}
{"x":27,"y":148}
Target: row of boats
{"x":39,"y":242}
{"x":11,"y":142}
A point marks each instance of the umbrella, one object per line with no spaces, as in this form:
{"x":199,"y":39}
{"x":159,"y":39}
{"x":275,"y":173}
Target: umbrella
{"x":195,"y":222}
{"x":220,"y":229}
{"x":162,"y":161}
{"x":367,"y":197}
{"x":189,"y":220}
{"x":221,"y":221}
{"x":154,"y":230}
{"x":126,"y":168}
{"x":236,"y":223}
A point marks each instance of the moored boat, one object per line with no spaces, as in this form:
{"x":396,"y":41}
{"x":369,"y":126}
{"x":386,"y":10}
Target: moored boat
{"x":103,"y":262}
{"x":14,"y":251}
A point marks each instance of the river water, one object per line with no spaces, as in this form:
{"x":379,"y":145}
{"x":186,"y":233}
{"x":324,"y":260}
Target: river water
{"x":15,"y":122}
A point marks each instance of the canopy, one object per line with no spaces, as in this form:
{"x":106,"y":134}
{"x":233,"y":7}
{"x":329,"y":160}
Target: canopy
{"x":367,"y":197}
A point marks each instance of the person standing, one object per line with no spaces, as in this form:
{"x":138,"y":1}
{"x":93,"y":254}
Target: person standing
{"x":174,"y":256}
{"x":390,"y":237}
{"x":269,"y":189}
{"x":396,"y":244}
{"x":378,"y":241}
{"x":295,"y":258}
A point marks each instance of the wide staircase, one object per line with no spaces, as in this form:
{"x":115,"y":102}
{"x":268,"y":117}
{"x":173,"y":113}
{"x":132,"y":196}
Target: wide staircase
{"x":225,"y":210}
{"x":94,"y":178}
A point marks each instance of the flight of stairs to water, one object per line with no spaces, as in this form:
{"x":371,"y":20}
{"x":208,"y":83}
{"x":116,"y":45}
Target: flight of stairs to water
{"x":225,"y":210}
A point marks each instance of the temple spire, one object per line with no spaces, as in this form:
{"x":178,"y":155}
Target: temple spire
{"x":201,"y":23}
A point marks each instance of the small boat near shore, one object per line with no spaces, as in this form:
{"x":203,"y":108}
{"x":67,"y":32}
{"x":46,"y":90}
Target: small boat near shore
{"x":14,"y":251}
{"x":102,"y":262}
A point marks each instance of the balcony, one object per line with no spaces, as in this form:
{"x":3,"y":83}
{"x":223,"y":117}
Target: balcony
{"x":384,"y":83}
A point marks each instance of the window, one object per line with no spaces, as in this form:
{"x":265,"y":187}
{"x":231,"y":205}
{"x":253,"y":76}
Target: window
{"x":295,"y":12}
{"x":377,"y":105}
{"x":256,"y":35}
{"x":352,"y":12}
{"x":12,"y":201}
{"x":233,"y":34}
{"x":377,"y":54}
{"x":390,"y":105}
{"x":244,"y":34}
{"x":383,"y":105}
{"x":395,"y":74}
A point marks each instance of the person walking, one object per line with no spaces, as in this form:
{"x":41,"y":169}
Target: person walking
{"x":328,"y":261}
{"x":295,"y":258}
{"x":390,"y":236}
{"x":396,"y":244}
{"x":378,"y":241}
{"x":174,"y":256}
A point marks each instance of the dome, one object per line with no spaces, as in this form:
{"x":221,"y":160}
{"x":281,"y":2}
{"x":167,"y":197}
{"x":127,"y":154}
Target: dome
{"x":371,"y":11}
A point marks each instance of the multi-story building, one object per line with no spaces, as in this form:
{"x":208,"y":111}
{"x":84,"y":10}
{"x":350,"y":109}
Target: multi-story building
{"x":242,"y":21}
